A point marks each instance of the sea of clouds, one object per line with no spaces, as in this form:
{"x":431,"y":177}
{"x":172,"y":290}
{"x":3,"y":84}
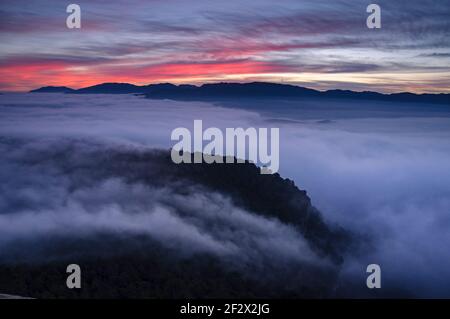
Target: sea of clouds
{"x":380,"y":170}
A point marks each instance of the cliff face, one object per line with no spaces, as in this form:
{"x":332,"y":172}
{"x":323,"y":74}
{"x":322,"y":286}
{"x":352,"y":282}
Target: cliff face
{"x":53,"y":89}
{"x":258,"y":90}
{"x":141,"y":226}
{"x":269,"y":195}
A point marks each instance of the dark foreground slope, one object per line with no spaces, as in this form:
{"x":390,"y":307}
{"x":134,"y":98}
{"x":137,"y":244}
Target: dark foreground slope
{"x":222,"y":230}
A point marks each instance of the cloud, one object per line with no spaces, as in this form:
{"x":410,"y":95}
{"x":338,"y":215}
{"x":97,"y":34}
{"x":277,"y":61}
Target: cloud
{"x":301,"y":39}
{"x":385,"y":177}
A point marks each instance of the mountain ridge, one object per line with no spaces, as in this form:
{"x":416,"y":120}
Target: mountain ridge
{"x":230,"y":90}
{"x":53,"y":89}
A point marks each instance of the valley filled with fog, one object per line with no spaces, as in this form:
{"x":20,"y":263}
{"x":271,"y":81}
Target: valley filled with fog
{"x":379,"y":170}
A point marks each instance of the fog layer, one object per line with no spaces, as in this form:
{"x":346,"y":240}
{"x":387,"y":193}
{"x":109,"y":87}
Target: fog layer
{"x":384,"y":174}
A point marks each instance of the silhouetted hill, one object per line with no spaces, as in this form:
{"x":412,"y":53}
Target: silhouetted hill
{"x":254,"y":90}
{"x":233,"y":90}
{"x":111,"y":88}
{"x":53,"y":89}
{"x":159,"y":86}
{"x":394,"y":97}
{"x":284,"y":91}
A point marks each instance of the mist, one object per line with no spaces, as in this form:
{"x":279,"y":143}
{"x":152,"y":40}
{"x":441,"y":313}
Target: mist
{"x":382,"y":174}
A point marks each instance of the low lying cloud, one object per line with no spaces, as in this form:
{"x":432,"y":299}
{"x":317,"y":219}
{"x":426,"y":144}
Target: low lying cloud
{"x":380,"y":170}
{"x":62,"y":190}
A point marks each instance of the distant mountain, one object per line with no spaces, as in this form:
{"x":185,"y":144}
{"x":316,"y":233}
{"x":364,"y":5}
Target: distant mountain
{"x":53,"y":89}
{"x":264,"y":90}
{"x":273,"y":90}
{"x":111,"y":88}
{"x":232,"y":90}
{"x":394,"y":97}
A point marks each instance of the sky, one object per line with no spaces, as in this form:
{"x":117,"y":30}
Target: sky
{"x":318,"y":44}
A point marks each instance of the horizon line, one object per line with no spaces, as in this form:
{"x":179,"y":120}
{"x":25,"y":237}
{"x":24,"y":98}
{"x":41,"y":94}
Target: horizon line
{"x":232,"y":82}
